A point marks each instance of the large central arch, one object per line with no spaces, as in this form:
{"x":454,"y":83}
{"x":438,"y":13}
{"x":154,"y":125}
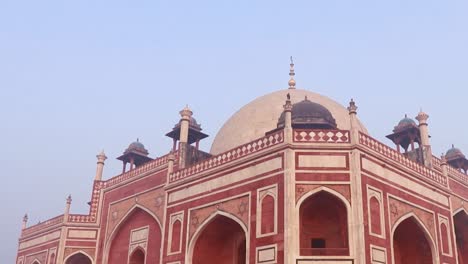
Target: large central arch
{"x":118,"y":247}
{"x":323,"y":221}
{"x":412,"y":243}
{"x":221,"y":240}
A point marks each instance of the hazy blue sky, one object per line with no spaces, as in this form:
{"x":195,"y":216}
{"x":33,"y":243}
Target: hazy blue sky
{"x":79,"y":76}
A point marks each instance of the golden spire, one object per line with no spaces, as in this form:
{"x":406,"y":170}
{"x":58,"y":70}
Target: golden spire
{"x":292,"y":82}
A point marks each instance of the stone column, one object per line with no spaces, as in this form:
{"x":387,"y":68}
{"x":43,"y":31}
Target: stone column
{"x":288,"y":131}
{"x":354,"y":136}
{"x":101,"y":157}
{"x":291,"y":229}
{"x":356,"y":223}
{"x":67,"y":208}
{"x":25,"y":222}
{"x":185,"y":114}
{"x":443,"y":166}
{"x":425,"y":143}
{"x":170,"y":165}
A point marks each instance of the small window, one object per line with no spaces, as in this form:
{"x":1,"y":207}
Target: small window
{"x":318,"y":243}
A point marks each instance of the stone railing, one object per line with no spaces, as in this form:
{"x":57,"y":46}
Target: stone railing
{"x":42,"y":225}
{"x":79,"y":218}
{"x":390,"y":153}
{"x":436,"y":163}
{"x":321,"y":136}
{"x":454,"y":173}
{"x":149,"y":166}
{"x":230,"y":155}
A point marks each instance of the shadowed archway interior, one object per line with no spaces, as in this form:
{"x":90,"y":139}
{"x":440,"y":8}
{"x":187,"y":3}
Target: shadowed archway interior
{"x":137,"y":257}
{"x":222,"y":241}
{"x":323,"y":226}
{"x":78,"y":259}
{"x":410,"y":243}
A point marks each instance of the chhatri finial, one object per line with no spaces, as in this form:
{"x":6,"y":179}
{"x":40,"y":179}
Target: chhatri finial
{"x":186,"y":112}
{"x":292,"y":82}
{"x":352,"y":108}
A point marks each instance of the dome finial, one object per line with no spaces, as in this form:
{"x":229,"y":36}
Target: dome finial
{"x":292,"y":82}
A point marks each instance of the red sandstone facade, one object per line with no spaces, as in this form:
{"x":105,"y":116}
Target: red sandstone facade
{"x":303,"y":193}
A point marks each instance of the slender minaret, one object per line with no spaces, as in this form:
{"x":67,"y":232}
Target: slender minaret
{"x":425,"y":143}
{"x":25,"y":222}
{"x":185,"y":114}
{"x":292,"y":82}
{"x":67,"y":208}
{"x":288,"y":119}
{"x":352,"y":108}
{"x":101,"y":157}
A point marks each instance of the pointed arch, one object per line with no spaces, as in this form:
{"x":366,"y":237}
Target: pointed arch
{"x":137,"y":256}
{"x":157,"y":232}
{"x":127,"y":215}
{"x":325,"y":189}
{"x":193,"y":241}
{"x":375,"y":215}
{"x":52,"y":258}
{"x":80,"y":255}
{"x":175,"y":236}
{"x":36,"y":261}
{"x":268,"y":215}
{"x":460,"y":222}
{"x":317,"y":235}
{"x":422,"y":228}
{"x":461,"y":209}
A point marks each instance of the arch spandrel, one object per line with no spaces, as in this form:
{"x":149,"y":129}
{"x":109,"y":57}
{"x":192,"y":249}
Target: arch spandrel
{"x":153,"y":201}
{"x":239,"y":207}
{"x":399,"y":209}
{"x":303,"y":189}
{"x":69,"y":252}
{"x":204,"y":226}
{"x":40,"y":257}
{"x":120,"y":240}
{"x":412,"y":219}
{"x":458,"y":204}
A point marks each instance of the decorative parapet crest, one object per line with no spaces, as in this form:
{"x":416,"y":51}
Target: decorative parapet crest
{"x":95,"y":197}
{"x":149,"y":166}
{"x":230,"y":155}
{"x":390,"y":153}
{"x":321,"y":136}
{"x":58,"y":220}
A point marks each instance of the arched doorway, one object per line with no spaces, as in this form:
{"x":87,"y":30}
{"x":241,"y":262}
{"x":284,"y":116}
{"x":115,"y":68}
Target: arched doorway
{"x":142,"y":225}
{"x":78,"y":258}
{"x":137,"y":257}
{"x":460,"y":221}
{"x":222,"y":241}
{"x":411,"y":243}
{"x":323,"y":226}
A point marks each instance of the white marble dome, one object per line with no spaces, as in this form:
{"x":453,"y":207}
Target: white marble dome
{"x":261,"y":115}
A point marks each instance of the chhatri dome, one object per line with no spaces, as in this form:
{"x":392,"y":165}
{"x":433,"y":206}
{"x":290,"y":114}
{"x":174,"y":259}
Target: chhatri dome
{"x":263,"y":114}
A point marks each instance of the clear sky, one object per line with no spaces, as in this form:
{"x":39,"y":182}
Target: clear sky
{"x":80,"y":76}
